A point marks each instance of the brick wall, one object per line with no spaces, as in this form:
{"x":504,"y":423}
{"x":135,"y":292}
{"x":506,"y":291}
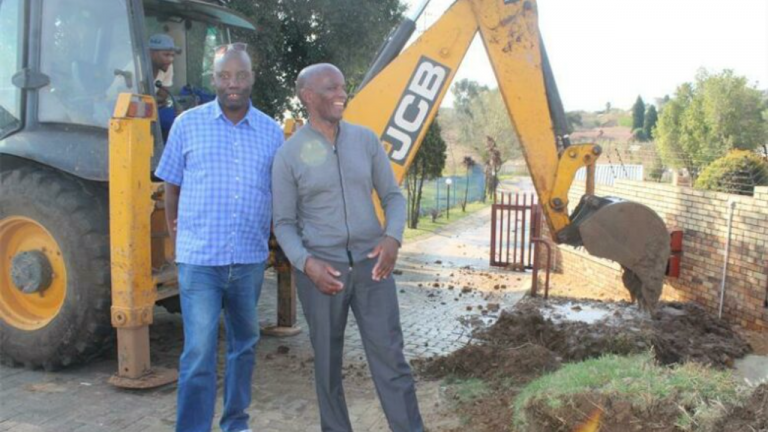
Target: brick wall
{"x":703,"y":217}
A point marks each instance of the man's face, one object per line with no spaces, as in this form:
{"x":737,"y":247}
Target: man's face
{"x":233,"y":81}
{"x":162,"y":59}
{"x":325,"y":95}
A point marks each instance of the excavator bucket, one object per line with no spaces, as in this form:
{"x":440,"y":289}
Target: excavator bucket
{"x":629,"y":233}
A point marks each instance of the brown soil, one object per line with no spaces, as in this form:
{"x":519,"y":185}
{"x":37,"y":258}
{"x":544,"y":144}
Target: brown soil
{"x":613,"y":416}
{"x":752,"y":416}
{"x":686,"y":332}
{"x":519,"y":364}
{"x":491,"y":413}
{"x":530,"y":340}
{"x":678,"y":332}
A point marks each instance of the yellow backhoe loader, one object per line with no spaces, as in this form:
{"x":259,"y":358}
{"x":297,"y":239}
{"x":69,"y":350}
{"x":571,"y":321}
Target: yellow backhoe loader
{"x":402,"y":91}
{"x":83,"y":247}
{"x":83,"y":243}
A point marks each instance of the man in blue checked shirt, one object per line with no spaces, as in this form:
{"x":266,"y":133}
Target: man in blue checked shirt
{"x":216,"y":166}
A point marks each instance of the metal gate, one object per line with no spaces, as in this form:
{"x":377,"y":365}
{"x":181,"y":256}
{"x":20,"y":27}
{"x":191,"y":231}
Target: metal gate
{"x":515,"y":222}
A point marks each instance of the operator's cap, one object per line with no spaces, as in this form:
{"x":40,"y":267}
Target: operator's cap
{"x":163,"y":42}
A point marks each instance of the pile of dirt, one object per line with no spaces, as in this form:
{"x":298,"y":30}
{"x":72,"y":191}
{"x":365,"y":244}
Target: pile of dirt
{"x":569,"y":340}
{"x":751,"y":416}
{"x":686,"y":332}
{"x":612,"y":415}
{"x":678,"y":333}
{"x":490,"y":362}
{"x":536,"y":336}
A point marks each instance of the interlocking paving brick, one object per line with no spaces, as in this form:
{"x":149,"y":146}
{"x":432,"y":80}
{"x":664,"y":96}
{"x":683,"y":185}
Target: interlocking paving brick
{"x":435,"y":321}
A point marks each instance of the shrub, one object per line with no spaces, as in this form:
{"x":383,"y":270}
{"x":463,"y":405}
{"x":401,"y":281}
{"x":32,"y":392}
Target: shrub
{"x":738,"y":172}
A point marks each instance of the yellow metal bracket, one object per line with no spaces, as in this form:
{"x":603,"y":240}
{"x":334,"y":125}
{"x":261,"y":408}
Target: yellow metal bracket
{"x":571,"y":160}
{"x":130,"y":208}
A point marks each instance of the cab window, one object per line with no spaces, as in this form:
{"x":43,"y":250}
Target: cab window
{"x":86,"y":52}
{"x":10,"y":52}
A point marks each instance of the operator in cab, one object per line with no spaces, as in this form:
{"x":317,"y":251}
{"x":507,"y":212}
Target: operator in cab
{"x":162,"y":52}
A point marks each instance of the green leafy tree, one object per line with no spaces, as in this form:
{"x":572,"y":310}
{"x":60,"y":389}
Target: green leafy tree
{"x":738,"y":172}
{"x":573,"y":119}
{"x":469,"y":163}
{"x":639,"y":135}
{"x":427,"y":165}
{"x":293,"y":34}
{"x":464,"y":92}
{"x":638,"y":114}
{"x":651,"y":118}
{"x":706,"y":119}
{"x":481,"y":113}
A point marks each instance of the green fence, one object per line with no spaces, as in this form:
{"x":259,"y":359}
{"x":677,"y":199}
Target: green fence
{"x":438,"y":193}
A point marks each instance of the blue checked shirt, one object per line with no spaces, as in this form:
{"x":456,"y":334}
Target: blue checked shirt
{"x":224,"y":171}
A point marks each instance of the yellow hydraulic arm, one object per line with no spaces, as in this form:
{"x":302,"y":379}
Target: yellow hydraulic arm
{"x":403,"y":98}
{"x":412,"y":87}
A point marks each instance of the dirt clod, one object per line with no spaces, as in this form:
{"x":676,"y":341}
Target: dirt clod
{"x":752,"y":416}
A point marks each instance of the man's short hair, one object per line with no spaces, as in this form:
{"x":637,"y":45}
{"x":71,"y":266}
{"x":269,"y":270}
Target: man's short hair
{"x":308,"y":73}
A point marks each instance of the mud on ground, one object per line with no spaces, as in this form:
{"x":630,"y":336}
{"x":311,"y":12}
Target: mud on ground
{"x":536,"y":336}
{"x":752,"y":416}
{"x":562,"y":329}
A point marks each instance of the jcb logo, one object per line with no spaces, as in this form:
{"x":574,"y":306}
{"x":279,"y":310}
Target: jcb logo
{"x":414,"y":107}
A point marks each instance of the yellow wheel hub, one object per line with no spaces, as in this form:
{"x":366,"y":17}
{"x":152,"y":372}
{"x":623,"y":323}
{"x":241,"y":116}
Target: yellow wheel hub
{"x":26,"y":247}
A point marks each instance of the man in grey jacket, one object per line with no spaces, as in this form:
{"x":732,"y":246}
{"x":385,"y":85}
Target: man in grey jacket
{"x":325,"y":221}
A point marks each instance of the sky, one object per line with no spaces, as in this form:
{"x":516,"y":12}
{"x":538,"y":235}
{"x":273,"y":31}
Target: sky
{"x":614,"y":50}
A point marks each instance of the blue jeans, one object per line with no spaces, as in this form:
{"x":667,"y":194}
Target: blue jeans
{"x":204,"y":291}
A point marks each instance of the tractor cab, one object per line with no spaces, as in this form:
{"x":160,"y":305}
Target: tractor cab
{"x":73,"y":57}
{"x":64,"y":63}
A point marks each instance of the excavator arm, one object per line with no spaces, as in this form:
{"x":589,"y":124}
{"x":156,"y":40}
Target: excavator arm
{"x":401,"y":99}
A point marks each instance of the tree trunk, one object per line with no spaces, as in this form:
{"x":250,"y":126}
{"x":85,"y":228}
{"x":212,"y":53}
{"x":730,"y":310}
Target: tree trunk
{"x":417,"y":207}
{"x":466,"y":194}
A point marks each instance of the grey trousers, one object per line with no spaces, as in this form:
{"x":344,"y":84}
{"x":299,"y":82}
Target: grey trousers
{"x":378,"y":316}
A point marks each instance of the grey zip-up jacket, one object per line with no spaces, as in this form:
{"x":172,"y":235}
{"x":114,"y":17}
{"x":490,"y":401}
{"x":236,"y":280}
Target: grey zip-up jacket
{"x":321,"y":195}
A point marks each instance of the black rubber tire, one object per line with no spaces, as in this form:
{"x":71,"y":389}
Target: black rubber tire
{"x":76,"y":213}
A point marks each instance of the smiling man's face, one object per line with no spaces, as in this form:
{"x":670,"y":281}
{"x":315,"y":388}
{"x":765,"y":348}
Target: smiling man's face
{"x":233,"y":81}
{"x":325,"y":96}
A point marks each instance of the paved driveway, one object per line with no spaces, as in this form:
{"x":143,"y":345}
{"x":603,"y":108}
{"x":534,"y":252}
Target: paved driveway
{"x":445,"y":288}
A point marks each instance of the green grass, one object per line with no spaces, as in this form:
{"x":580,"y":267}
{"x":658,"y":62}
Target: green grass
{"x":698,"y":391}
{"x":469,"y":389}
{"x":426,"y":226}
{"x":625,"y":120}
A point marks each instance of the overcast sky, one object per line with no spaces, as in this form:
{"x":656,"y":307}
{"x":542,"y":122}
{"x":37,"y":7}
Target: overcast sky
{"x":614,"y":50}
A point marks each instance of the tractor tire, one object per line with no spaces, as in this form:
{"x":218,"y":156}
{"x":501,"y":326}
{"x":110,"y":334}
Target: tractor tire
{"x":63,"y":222}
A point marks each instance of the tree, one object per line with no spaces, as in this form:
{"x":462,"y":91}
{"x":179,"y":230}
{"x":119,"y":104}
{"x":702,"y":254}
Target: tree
{"x":493,"y":164}
{"x":573,"y":119}
{"x":707,"y":118}
{"x":638,"y":114}
{"x":481,"y":113}
{"x":464,"y":92}
{"x":293,"y":34}
{"x":468,"y":163}
{"x":427,"y":165}
{"x":651,"y":117}
{"x":738,"y":172}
